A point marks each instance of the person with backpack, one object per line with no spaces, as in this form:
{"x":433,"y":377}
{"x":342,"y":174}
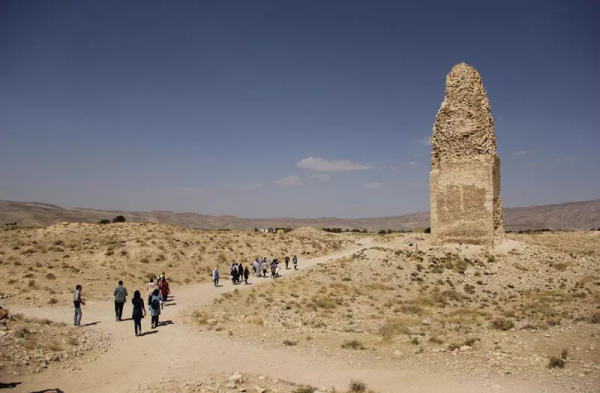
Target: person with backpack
{"x":287,"y":263}
{"x":155,"y":306}
{"x":120,"y":299}
{"x":139,"y":312}
{"x":246,"y":275}
{"x":295,"y":262}
{"x":164,"y":289}
{"x":273,"y":267}
{"x":255,"y":267}
{"x":216,"y":276}
{"x":78,"y":302}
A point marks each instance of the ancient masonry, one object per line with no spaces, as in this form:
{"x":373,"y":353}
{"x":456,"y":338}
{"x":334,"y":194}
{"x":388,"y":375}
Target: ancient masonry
{"x":465,"y":169}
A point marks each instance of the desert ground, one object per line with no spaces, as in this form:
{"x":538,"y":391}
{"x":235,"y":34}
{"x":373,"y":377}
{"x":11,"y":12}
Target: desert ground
{"x":382,"y":313}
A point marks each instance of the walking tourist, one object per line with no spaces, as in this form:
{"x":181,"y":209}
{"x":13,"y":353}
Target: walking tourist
{"x":295,"y":262}
{"x":256,"y":268}
{"x":287,"y":262}
{"x":273,"y":267}
{"x":240,"y":272}
{"x":155,"y":305}
{"x":234,"y":274}
{"x":164,"y":289}
{"x":139,"y":312}
{"x":120,"y":299}
{"x":151,"y":288}
{"x":264,"y":267}
{"x":78,"y":302}
{"x":216,"y":276}
{"x":246,"y":275}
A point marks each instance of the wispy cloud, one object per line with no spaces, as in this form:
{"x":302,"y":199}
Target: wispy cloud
{"x":373,"y":185}
{"x":324,"y":165}
{"x":519,"y":153}
{"x":426,"y":140}
{"x":289,"y":181}
{"x":413,"y":163}
{"x":321,"y":177}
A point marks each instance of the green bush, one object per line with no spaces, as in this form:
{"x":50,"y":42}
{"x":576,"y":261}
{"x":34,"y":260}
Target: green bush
{"x":119,"y":219}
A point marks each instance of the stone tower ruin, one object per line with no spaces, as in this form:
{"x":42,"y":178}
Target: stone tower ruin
{"x":465,"y":169}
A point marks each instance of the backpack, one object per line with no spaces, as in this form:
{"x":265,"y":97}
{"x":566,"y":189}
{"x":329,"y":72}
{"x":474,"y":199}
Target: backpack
{"x":154,"y":303}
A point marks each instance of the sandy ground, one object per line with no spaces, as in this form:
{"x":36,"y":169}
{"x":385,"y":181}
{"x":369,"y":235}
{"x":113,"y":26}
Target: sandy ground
{"x":179,"y":352}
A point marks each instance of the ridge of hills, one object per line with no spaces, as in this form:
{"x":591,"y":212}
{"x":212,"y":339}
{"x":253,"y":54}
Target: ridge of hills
{"x":582,"y":215}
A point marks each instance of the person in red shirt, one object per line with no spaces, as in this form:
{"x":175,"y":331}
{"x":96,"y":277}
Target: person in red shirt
{"x":164,"y":289}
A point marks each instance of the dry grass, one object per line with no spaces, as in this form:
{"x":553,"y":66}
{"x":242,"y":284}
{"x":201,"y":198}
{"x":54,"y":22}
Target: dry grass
{"x":101,"y":255}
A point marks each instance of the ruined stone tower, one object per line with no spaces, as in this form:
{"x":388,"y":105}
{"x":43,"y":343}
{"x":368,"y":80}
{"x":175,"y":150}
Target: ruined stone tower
{"x":465,"y":169}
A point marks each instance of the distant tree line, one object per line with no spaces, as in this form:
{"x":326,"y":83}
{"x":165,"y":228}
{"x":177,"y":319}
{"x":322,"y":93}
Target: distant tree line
{"x":115,"y":220}
{"x":390,"y":231}
{"x":339,"y":230}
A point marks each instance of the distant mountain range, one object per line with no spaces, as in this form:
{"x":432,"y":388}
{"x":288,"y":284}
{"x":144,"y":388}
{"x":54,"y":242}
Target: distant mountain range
{"x":572,"y":215}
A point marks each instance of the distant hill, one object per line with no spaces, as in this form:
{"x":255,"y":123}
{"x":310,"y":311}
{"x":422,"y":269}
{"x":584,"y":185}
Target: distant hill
{"x":572,"y":215}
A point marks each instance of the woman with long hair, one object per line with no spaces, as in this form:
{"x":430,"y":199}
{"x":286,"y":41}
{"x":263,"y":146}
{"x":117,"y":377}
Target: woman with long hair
{"x":139,"y":312}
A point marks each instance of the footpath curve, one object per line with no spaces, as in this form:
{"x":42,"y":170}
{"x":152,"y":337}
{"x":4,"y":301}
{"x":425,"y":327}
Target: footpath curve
{"x":180,"y":352}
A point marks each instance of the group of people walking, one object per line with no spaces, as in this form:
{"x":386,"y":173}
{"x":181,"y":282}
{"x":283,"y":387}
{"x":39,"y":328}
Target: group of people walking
{"x":240,"y":273}
{"x":157,"y":293}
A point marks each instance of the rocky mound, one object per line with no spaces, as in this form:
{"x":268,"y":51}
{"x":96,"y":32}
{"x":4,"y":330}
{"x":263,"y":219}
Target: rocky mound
{"x":30,"y":345}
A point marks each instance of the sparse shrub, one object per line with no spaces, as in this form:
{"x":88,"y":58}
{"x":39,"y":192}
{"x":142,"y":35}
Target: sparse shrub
{"x":595,"y":318}
{"x":201,"y":317}
{"x":54,"y":346}
{"x":357,"y":387}
{"x":50,"y":276}
{"x":52,"y":300}
{"x":290,"y":343}
{"x":502,"y":324}
{"x":255,"y":321}
{"x":436,"y":340}
{"x":22,"y":332}
{"x":353,"y":344}
{"x":564,"y":353}
{"x":119,"y":219}
{"x":561,"y":267}
{"x":556,"y":362}
{"x":72,"y":341}
{"x":104,"y":222}
{"x":391,"y":329}
{"x":305,"y":389}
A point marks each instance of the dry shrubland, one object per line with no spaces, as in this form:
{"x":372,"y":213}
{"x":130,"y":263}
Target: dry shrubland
{"x":43,"y":265}
{"x":532,"y":300}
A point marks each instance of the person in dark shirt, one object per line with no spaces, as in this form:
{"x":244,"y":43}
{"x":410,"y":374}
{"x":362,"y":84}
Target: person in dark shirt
{"x":139,"y":312}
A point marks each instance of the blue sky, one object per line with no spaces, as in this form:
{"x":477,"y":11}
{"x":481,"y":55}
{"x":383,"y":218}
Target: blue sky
{"x":287,"y":108}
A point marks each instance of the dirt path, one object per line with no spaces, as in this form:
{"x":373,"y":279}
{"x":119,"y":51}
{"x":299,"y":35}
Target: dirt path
{"x":179,"y":352}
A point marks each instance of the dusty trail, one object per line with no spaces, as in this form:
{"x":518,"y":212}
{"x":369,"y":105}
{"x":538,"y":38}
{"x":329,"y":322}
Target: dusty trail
{"x":179,"y":352}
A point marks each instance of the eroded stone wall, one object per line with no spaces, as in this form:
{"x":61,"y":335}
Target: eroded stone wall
{"x":465,"y":178}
